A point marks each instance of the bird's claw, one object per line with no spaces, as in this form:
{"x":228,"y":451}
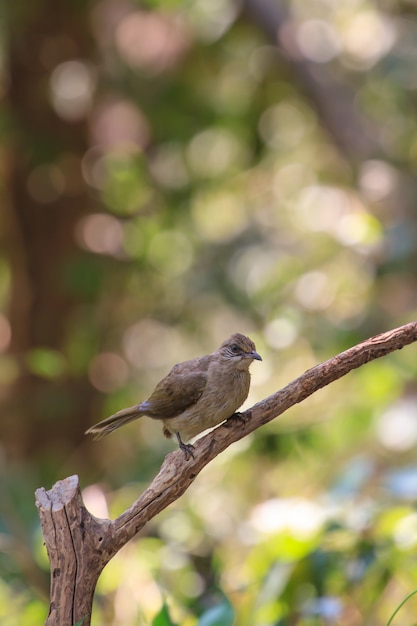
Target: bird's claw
{"x":187,"y":448}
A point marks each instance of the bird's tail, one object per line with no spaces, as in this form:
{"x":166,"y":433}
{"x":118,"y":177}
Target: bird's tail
{"x":110,"y":424}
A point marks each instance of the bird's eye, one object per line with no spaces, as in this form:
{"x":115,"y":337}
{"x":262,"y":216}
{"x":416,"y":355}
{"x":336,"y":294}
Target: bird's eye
{"x":235,"y":348}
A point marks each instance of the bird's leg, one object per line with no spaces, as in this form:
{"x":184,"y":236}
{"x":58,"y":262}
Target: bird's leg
{"x":243,"y":418}
{"x":186,"y":448}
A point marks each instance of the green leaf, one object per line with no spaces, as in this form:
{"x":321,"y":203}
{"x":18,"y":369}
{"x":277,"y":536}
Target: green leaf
{"x":222,"y":614}
{"x":45,"y":362}
{"x":163,"y":618}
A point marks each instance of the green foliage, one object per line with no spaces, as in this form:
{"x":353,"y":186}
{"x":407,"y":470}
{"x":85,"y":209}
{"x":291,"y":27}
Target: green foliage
{"x":46,"y":363}
{"x":163,"y":618}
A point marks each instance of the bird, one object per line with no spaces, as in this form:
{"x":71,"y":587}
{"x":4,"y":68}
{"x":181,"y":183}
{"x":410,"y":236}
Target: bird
{"x":195,"y":395}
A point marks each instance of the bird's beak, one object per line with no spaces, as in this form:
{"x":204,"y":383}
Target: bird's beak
{"x":254,"y":355}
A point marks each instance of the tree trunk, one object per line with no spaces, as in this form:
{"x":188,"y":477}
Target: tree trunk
{"x":72,"y":537}
{"x":46,"y":198}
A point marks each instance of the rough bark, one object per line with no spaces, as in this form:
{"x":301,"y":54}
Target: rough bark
{"x":80,"y":545}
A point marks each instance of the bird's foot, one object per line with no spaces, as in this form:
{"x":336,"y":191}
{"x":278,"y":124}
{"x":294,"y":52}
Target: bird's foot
{"x":187,"y":448}
{"x":242,"y":418}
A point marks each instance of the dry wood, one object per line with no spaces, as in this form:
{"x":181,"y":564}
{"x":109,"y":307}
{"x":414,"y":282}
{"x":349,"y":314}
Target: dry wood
{"x":80,"y":545}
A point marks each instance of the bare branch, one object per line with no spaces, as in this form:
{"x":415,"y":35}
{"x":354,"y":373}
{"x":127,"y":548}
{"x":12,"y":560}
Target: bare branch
{"x":79,"y":545}
{"x":175,"y":476}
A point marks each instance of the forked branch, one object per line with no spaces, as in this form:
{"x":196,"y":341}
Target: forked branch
{"x":80,"y":545}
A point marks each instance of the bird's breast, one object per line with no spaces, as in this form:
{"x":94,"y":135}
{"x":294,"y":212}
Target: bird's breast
{"x":225,"y":392}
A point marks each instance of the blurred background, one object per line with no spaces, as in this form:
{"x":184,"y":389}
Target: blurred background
{"x":172,"y":172}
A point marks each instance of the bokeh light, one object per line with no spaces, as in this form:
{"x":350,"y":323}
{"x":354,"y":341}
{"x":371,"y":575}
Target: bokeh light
{"x":72,"y":86}
{"x":100,"y":233}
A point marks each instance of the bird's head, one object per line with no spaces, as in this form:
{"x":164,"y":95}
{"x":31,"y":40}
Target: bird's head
{"x":239,"y":350}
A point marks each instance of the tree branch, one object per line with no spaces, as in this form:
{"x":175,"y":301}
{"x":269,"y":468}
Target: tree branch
{"x":80,"y":545}
{"x":332,"y":99}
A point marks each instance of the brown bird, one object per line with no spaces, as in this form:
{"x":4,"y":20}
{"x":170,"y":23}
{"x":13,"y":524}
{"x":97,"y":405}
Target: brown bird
{"x":195,"y":395}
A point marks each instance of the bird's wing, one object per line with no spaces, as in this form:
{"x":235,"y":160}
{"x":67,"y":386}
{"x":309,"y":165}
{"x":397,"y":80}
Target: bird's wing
{"x":178,"y":391}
